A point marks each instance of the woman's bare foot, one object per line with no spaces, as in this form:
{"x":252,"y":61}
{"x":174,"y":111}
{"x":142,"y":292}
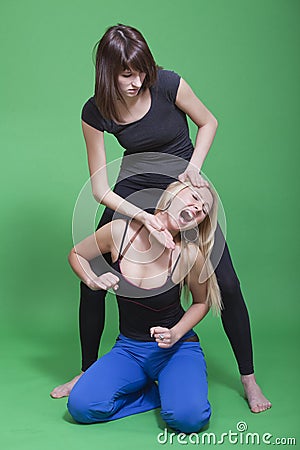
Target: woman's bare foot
{"x":64,"y":390}
{"x":257,"y":401}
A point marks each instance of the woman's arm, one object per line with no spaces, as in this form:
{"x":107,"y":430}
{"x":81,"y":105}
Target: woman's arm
{"x":98,"y":243}
{"x":193,"y":315}
{"x":102,"y":192}
{"x":207,"y":125}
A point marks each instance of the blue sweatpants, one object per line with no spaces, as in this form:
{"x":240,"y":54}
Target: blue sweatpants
{"x":122,"y":383}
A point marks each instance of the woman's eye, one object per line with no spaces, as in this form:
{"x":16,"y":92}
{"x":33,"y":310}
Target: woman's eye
{"x":126,"y":75}
{"x":205,"y":209}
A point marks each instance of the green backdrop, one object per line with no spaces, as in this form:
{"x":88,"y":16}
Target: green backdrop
{"x":241,"y":58}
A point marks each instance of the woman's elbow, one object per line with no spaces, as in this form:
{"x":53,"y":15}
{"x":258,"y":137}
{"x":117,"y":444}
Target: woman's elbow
{"x":99,"y":194}
{"x":96,"y":194}
{"x":211,"y":123}
{"x":71,"y":256}
{"x":214,"y":122}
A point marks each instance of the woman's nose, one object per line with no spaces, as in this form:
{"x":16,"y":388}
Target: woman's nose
{"x":137,"y":82}
{"x":198,"y":207}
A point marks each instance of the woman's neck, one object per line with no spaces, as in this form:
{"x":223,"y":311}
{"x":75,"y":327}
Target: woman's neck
{"x":129,"y":102}
{"x":134,"y":108}
{"x":164,"y":218}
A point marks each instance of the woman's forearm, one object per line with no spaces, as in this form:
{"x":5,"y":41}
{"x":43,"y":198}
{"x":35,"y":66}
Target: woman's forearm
{"x":81,"y":267}
{"x":195,"y":313}
{"x":117,"y":203}
{"x":99,"y":177}
{"x":203,"y":142}
{"x":104,"y":195}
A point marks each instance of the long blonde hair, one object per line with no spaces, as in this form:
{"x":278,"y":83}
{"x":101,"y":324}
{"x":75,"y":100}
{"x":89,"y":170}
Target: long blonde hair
{"x":203,"y":242}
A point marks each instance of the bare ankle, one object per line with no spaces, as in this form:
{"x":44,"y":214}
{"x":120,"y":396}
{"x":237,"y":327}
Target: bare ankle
{"x":248,"y":378}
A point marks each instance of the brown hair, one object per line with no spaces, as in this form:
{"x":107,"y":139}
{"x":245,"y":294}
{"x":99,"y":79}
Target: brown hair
{"x":121,"y":47}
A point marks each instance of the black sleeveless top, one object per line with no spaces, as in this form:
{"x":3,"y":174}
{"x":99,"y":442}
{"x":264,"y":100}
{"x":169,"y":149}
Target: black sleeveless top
{"x":159,"y":306}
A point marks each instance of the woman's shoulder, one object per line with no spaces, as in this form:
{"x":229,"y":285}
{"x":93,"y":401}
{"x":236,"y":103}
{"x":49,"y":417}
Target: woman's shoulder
{"x":90,"y":105}
{"x":91,"y":115}
{"x":168,"y":83}
{"x":194,"y":260}
{"x":199,"y":258}
{"x":165,"y":75}
{"x":122,"y":230}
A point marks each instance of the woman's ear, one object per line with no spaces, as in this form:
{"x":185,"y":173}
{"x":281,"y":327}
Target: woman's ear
{"x":168,"y":204}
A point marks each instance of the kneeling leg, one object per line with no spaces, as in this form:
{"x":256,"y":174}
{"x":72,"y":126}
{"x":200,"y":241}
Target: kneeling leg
{"x":115,"y":386}
{"x":183,"y":389}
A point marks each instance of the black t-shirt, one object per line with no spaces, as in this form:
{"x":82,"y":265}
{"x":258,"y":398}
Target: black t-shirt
{"x":163,"y":131}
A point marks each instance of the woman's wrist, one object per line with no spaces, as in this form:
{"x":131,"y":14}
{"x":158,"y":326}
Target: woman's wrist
{"x":89,"y":277}
{"x":176,"y":333}
{"x":141,"y":216}
{"x":88,"y":281}
{"x":195,"y":166}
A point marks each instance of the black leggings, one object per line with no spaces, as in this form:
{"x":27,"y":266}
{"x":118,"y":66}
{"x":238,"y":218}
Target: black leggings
{"x":235,"y":317}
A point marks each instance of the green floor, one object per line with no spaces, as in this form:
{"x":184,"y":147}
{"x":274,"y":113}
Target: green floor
{"x":241,"y":58}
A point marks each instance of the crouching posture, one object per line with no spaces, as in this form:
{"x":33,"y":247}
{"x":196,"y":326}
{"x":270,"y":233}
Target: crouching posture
{"x":157,"y":360}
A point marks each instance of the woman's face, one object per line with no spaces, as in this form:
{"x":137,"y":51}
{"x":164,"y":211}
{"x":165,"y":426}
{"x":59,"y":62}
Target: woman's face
{"x":190,"y":207}
{"x":130,"y":82}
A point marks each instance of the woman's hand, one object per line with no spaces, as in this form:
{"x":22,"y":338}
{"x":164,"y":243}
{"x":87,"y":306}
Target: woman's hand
{"x":164,"y":337}
{"x":158,"y":230}
{"x":105,"y":281}
{"x":192,"y":174}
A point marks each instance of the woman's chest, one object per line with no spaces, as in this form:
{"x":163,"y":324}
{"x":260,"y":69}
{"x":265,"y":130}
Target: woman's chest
{"x":158,"y":129}
{"x":146,"y":275}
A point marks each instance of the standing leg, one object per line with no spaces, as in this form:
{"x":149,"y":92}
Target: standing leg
{"x":236,"y":323}
{"x":91,"y":323}
{"x":115,"y":386}
{"x":182,"y":385}
{"x":235,"y":317}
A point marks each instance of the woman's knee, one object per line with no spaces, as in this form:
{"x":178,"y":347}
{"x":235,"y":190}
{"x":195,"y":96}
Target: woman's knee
{"x":84,"y":411}
{"x":188,"y":418}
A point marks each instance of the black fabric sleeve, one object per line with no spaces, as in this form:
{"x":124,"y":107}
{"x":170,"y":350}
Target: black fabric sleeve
{"x":169,"y":83}
{"x":91,"y":115}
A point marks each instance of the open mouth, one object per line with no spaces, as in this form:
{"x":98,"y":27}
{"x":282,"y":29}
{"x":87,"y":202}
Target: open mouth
{"x":186,"y":216}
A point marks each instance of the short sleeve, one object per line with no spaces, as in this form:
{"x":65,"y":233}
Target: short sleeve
{"x":91,"y":115}
{"x":168,"y":82}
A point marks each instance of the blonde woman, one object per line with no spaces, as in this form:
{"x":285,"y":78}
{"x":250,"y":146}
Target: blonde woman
{"x":156,"y":342}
